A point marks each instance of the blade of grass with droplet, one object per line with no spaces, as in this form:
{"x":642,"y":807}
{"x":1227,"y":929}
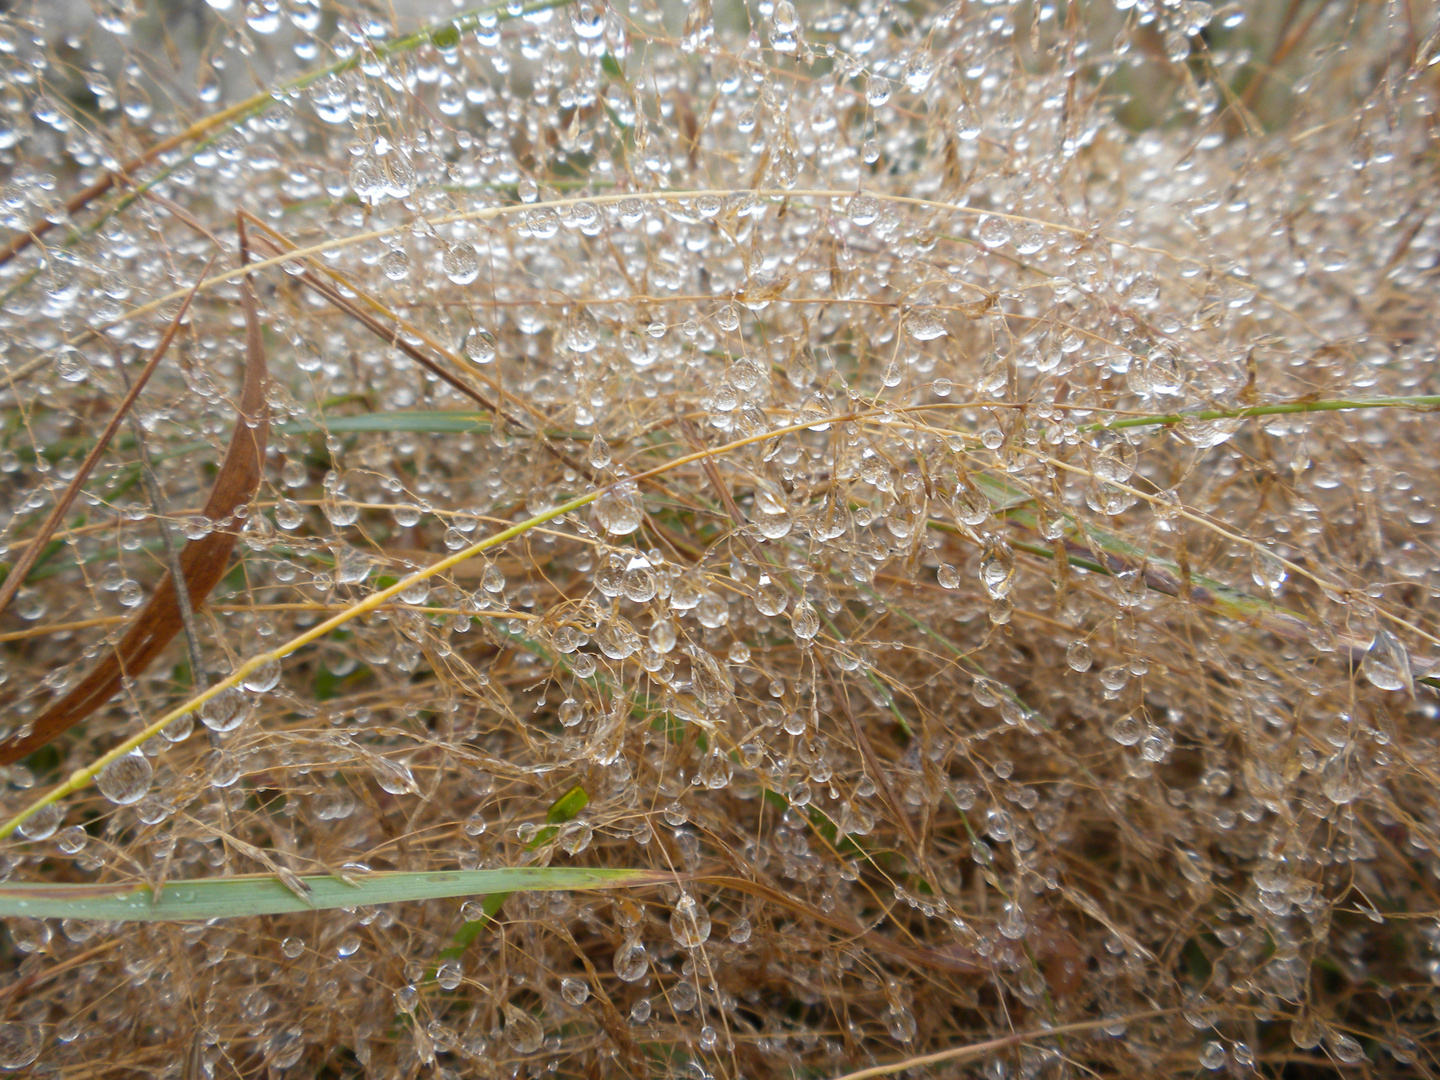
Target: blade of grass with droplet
{"x":418,"y":423}
{"x":250,"y":895}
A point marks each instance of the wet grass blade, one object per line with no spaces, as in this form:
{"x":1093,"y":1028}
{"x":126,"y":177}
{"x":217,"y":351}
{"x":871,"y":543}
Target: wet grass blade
{"x":418,"y":422}
{"x":250,"y":895}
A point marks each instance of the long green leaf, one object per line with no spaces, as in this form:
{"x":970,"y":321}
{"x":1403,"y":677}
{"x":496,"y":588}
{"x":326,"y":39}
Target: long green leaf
{"x":247,"y":895}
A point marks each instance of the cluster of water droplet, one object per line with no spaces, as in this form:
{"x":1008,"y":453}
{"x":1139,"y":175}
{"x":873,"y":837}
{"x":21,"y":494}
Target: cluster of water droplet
{"x":1013,"y":670}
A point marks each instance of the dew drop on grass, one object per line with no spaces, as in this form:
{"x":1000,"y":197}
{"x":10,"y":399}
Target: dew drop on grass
{"x":1078,"y":656}
{"x":618,"y":509}
{"x":900,"y":1022}
{"x":449,"y":975}
{"x":1347,"y":1050}
{"x":1341,"y":778}
{"x":923,"y":324}
{"x":575,"y":991}
{"x":225,"y":711}
{"x":395,"y":265}
{"x":461,"y":263}
{"x":20,"y":1045}
{"x":582,"y":331}
{"x":804,"y":621}
{"x":42,"y":824}
{"x":994,"y":232}
{"x":689,"y":922}
{"x":1387,"y":664}
{"x":968,"y":124}
{"x":631,"y":961}
{"x":1128,"y":730}
{"x":264,"y":678}
{"x":1267,"y":570}
{"x":599,"y":455}
{"x":588,"y":19}
{"x":479,"y":345}
{"x":394,"y":776}
{"x":125,"y":780}
{"x":1212,"y":1055}
{"x":863,"y":209}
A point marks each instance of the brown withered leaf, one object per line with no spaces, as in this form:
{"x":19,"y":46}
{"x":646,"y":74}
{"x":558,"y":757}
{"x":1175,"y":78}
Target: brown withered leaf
{"x":202,"y":562}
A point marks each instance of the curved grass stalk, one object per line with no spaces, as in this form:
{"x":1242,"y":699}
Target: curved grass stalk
{"x":82,"y":778}
{"x":491,"y":213}
{"x":980,"y":1049}
{"x":248,"y":895}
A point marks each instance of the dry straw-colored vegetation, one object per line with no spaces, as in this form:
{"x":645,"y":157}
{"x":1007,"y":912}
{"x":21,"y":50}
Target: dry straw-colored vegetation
{"x":946,"y":491}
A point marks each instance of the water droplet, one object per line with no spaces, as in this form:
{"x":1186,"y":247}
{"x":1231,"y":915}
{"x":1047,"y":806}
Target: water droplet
{"x":395,"y":265}
{"x":126,"y":779}
{"x":877,"y":91}
{"x":575,"y":991}
{"x":1128,"y":730}
{"x":689,"y":922}
{"x":71,"y":364}
{"x":1342,"y":779}
{"x":264,"y":678}
{"x":1387,"y":664}
{"x":461,"y":263}
{"x":919,"y":70}
{"x":42,"y":824}
{"x":997,"y":569}
{"x":1347,"y":1050}
{"x":864,"y":209}
{"x":588,"y":19}
{"x":1078,"y":656}
{"x":923,"y":324}
{"x":479,"y":345}
{"x":804,"y":621}
{"x":618,"y":509}
{"x":900,"y":1022}
{"x":1212,"y":1055}
{"x":19,"y":1045}
{"x":599,"y":455}
{"x":994,"y":232}
{"x":225,"y":711}
{"x":968,"y":124}
{"x":582,"y":330}
{"x":394,"y":776}
{"x":1267,"y":570}
{"x":631,"y":961}
{"x":449,"y":975}
{"x":522,"y":1031}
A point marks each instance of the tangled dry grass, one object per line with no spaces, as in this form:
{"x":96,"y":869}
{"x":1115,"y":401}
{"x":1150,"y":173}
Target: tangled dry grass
{"x":998,"y":587}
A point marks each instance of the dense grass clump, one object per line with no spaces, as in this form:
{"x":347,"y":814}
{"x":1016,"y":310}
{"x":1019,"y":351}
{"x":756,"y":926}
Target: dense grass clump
{"x":944,"y":495}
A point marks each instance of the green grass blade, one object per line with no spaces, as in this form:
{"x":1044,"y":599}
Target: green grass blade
{"x":243,"y":896}
{"x":419,"y":422}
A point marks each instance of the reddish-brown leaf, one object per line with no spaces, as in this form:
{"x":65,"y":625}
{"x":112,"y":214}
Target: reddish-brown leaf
{"x":202,"y":562}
